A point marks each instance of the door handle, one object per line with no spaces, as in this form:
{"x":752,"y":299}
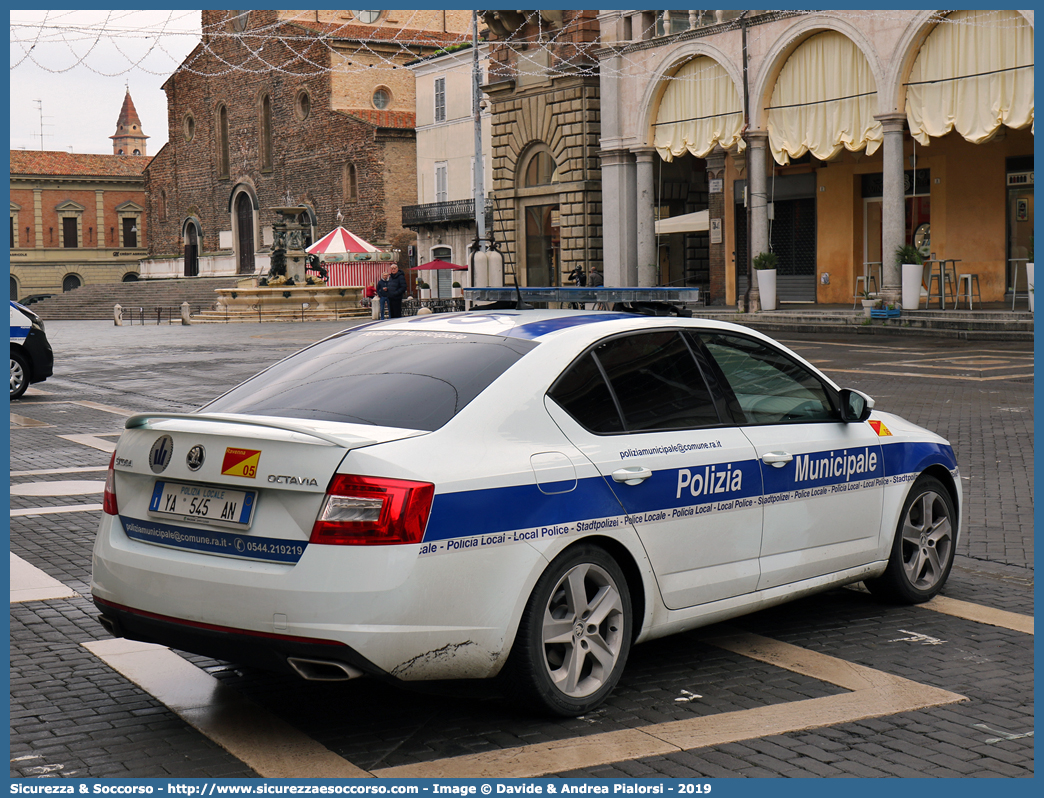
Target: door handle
{"x":777,"y":459}
{"x":632,"y":475}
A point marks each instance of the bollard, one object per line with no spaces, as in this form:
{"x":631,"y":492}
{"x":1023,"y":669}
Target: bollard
{"x":185,"y":321}
{"x":117,"y":315}
{"x":425,"y":311}
{"x":375,"y":308}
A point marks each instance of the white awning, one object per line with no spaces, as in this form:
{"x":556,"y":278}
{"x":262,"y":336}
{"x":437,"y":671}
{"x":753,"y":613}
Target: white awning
{"x":698,"y":222}
{"x":700,"y":108}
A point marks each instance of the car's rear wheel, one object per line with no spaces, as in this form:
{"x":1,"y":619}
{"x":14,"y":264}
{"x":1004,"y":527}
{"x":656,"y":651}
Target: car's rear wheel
{"x":19,"y":375}
{"x":923,"y":549}
{"x":575,"y":634}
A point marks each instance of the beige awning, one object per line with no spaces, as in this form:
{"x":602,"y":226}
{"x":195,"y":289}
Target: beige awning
{"x":824,"y":101}
{"x":698,"y":222}
{"x":990,"y":53}
{"x":700,"y":108}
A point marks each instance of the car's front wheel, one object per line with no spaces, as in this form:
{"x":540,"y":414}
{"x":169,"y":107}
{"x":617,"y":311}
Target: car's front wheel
{"x":923,"y":549}
{"x":575,"y":634}
{"x":19,"y":375}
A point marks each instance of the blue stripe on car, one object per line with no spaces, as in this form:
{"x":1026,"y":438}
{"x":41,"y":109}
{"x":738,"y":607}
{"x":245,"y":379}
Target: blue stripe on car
{"x":493,"y":510}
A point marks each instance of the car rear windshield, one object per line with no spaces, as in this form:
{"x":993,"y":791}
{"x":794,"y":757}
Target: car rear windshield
{"x":395,"y":378}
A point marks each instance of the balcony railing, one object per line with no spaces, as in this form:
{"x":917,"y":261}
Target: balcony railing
{"x":454,"y":212}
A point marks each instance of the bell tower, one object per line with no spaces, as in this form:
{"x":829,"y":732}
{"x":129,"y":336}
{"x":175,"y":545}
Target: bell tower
{"x":129,"y":138}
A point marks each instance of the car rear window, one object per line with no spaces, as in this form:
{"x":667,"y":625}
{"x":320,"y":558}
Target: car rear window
{"x":396,"y":378}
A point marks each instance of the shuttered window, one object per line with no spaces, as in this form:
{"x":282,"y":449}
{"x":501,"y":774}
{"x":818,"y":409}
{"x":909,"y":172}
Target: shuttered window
{"x":440,"y":99}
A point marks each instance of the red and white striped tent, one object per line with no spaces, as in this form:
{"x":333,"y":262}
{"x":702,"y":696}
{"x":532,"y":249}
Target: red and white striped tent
{"x":350,"y":260}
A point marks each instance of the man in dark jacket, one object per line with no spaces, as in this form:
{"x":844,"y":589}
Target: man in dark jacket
{"x":396,"y":291}
{"x":382,"y":296}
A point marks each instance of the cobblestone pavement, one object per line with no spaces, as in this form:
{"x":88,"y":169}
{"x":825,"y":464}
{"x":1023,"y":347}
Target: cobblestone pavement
{"x":73,"y":715}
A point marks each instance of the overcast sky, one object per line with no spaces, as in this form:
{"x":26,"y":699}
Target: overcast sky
{"x":80,"y":64}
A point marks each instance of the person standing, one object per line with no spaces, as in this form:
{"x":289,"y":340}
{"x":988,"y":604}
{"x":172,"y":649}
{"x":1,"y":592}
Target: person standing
{"x":382,"y":295}
{"x":396,"y":291}
{"x":595,"y":280}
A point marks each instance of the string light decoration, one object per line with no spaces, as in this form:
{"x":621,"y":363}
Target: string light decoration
{"x":303,"y":47}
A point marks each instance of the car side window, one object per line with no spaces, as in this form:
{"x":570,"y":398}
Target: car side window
{"x":770,"y":388}
{"x":583,"y":393}
{"x":654,"y":380}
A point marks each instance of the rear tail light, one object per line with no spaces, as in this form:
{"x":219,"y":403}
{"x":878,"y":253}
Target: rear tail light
{"x":109,"y":496}
{"x":373,"y":511}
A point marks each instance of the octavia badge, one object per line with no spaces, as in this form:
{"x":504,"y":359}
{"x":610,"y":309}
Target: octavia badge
{"x":195,"y":457}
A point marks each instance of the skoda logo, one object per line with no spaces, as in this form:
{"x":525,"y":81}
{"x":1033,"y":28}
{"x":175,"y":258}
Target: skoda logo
{"x":160,"y":454}
{"x":195,"y":457}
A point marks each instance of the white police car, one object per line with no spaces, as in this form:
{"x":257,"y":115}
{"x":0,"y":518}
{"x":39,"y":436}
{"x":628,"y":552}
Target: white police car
{"x":524,"y":493}
{"x":31,"y":357}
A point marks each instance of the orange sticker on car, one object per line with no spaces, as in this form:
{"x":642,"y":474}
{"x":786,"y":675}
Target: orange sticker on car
{"x":240,"y":462}
{"x":880,"y":429}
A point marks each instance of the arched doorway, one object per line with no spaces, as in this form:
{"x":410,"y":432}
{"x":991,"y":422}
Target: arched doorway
{"x":14,"y":289}
{"x":71,"y":282}
{"x":130,"y":277}
{"x":191,"y":250}
{"x":245,"y":230}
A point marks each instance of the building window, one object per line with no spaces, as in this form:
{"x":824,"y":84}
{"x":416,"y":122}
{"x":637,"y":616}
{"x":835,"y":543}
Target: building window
{"x":382,"y":98}
{"x":70,"y":237}
{"x":440,"y":99}
{"x":222,"y":141}
{"x":367,"y":17}
{"x":14,"y":226}
{"x":442,"y":182}
{"x":239,"y":20}
{"x":130,"y":233}
{"x":542,"y":170}
{"x":188,"y":127}
{"x":303,"y":105}
{"x":349,"y":184}
{"x":162,"y":205}
{"x":266,"y":132}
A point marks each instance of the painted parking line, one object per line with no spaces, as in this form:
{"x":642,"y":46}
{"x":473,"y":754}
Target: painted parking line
{"x":268,"y":745}
{"x":47,"y":471}
{"x":873,"y":694}
{"x":275,"y":749}
{"x":29,"y":583}
{"x":20,"y":422}
{"x":69,"y":508}
{"x":980,"y":614}
{"x":95,"y":441}
{"x":930,"y":376}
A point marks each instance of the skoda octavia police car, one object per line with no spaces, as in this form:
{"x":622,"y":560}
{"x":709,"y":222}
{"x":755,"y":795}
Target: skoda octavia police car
{"x":523,"y":493}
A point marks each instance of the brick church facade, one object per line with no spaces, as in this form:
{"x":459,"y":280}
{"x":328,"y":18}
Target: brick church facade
{"x":288,"y":107}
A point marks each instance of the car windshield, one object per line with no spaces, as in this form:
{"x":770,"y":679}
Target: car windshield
{"x":392,"y":378}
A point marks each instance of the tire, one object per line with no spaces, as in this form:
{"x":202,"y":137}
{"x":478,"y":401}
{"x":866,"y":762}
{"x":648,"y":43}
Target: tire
{"x":558,"y":662}
{"x":924,"y":546}
{"x":19,"y":375}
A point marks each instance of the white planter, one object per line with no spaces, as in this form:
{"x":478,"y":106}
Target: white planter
{"x":458,"y":292}
{"x":868,"y":305}
{"x":767,"y":288}
{"x":1029,"y":283}
{"x":913,"y":275}
{"x":425,"y":293}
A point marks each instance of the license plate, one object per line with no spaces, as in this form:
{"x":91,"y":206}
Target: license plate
{"x":206,"y":504}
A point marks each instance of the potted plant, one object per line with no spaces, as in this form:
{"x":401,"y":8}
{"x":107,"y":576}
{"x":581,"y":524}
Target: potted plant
{"x":869,"y":303}
{"x":425,"y":289}
{"x":765,"y":265}
{"x":909,"y":260}
{"x":457,"y":290}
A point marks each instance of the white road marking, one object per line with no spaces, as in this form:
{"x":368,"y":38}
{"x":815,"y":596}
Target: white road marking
{"x":95,"y":441}
{"x":46,"y":471}
{"x":70,"y":508}
{"x":29,"y":583}
{"x":268,"y":745}
{"x":65,"y":487}
{"x":917,"y":637}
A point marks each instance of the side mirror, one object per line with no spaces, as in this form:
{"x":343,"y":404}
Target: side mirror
{"x":855,"y":405}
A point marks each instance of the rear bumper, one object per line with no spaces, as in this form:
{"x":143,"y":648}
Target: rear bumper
{"x":269,"y":652}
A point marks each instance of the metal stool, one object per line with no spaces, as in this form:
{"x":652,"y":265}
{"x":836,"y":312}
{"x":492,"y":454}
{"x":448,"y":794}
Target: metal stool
{"x":943,"y":289}
{"x":973,"y":286}
{"x":862,"y":279}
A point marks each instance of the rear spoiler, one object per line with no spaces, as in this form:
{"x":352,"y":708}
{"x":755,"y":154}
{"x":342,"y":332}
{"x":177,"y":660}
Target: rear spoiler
{"x":141,"y":420}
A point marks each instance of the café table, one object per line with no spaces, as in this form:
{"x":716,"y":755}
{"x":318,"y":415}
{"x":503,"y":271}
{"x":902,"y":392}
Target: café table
{"x":945,"y":269}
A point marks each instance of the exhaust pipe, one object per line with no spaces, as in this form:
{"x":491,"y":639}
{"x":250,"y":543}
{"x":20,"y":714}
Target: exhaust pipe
{"x":323,"y":670}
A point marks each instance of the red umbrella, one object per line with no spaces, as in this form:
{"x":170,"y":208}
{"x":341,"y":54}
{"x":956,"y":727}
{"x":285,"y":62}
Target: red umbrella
{"x":441,"y":264}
